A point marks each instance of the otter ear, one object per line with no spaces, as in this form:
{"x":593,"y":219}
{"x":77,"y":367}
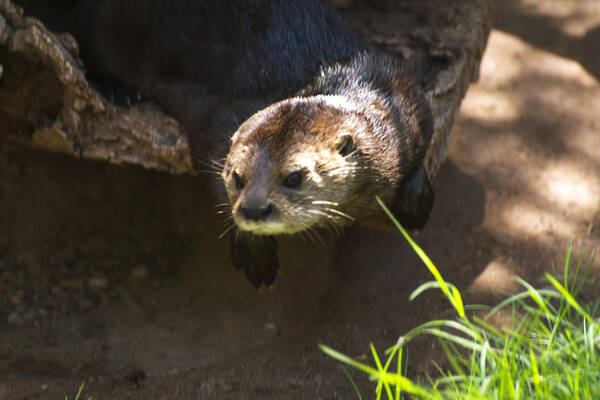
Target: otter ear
{"x":413,"y":201}
{"x":345,"y":145}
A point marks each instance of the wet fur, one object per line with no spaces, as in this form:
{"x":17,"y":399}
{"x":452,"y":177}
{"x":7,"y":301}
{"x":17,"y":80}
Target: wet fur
{"x":369,"y":99}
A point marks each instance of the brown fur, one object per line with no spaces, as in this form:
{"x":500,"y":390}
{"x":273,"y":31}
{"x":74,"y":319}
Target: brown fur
{"x":349,"y":150}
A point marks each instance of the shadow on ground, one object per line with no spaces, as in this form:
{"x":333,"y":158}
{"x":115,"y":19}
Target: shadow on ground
{"x":109,"y":271}
{"x":545,"y":29}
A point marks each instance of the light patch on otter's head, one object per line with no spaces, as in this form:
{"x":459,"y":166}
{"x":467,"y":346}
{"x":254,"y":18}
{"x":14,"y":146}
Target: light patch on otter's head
{"x":336,"y":101}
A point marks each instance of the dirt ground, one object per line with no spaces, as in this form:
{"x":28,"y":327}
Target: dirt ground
{"x":112,"y":275}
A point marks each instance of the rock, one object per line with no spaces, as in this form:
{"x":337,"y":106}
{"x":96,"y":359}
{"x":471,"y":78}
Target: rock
{"x":136,"y":375}
{"x":15,"y":319}
{"x":84,"y":303}
{"x":139,"y":273}
{"x":16,"y":299}
{"x":98,"y":283}
{"x":29,"y":316}
{"x":72,"y":283}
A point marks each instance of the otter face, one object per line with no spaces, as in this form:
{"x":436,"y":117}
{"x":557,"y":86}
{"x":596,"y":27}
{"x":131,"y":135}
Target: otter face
{"x":292,"y":166}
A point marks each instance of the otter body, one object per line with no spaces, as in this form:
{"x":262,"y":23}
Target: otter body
{"x":327,"y":124}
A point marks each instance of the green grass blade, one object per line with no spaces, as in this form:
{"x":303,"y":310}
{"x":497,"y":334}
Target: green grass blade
{"x":537,"y":297}
{"x":451,"y":358}
{"x":347,"y":360}
{"x":568,"y":258}
{"x":426,"y":260}
{"x":570,"y":299}
{"x":536,"y":373}
{"x":358,"y":394}
{"x":388,"y":390}
{"x":399,"y":371}
{"x":422,"y":288}
{"x":483,"y":361}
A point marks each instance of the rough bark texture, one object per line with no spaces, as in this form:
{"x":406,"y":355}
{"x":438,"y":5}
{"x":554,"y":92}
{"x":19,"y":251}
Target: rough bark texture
{"x":46,"y":101}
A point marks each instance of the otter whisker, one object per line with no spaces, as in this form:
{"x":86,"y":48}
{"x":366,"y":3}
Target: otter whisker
{"x":302,"y":233}
{"x":351,"y":153}
{"x":215,"y":166}
{"x":201,"y":161}
{"x":204,"y":171}
{"x":223,"y":208}
{"x":227,"y":217}
{"x":319,"y":212}
{"x":243,"y":235}
{"x":341,"y":214}
{"x":327,"y":225}
{"x":336,"y":229}
{"x":317,"y":235}
{"x":308,"y":235}
{"x":325,"y":202}
{"x":216,"y":163}
{"x":225,"y":231}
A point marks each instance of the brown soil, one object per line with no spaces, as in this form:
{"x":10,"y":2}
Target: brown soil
{"x":112,"y":275}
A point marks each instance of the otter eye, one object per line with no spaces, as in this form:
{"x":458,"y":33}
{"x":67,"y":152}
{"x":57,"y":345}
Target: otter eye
{"x":239,"y":182}
{"x":228,"y":169}
{"x":293,"y":180}
{"x":346,"y":145}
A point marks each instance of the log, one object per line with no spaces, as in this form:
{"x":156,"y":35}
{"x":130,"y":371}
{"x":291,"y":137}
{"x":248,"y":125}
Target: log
{"x":46,"y":101}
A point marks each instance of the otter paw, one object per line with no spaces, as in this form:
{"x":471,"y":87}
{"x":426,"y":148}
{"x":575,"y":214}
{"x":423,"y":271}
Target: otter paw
{"x":413,"y":201}
{"x":257,"y":256}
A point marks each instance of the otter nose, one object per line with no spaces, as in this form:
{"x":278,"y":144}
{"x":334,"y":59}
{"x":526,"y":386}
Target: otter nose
{"x":257,"y":213}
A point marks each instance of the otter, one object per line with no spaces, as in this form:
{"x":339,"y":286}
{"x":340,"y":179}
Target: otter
{"x":327,"y":123}
{"x":360,"y":129}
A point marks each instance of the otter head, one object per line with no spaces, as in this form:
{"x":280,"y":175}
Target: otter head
{"x":293,"y":165}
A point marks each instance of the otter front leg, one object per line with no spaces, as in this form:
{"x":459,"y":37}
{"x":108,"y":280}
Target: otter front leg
{"x":413,"y":201}
{"x":256,"y":255}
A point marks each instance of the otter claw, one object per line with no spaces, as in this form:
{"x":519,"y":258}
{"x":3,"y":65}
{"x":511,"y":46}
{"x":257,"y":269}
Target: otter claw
{"x":257,"y":256}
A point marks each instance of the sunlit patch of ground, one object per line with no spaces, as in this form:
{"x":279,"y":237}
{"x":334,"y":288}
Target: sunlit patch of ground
{"x":529,"y":131}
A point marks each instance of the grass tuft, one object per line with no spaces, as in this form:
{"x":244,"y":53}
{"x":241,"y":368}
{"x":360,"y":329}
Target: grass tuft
{"x":550,"y":349}
{"x":79,"y":393}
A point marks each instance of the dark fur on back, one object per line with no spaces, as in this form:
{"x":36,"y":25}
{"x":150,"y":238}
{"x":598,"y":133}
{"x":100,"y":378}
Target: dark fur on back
{"x":231,"y":46}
